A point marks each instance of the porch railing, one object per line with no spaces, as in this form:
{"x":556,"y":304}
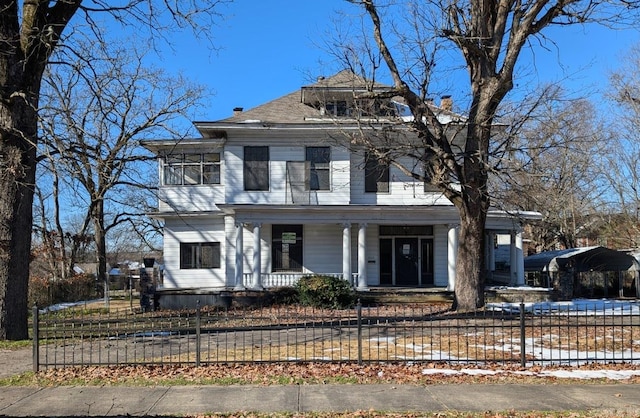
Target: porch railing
{"x":271,"y":280}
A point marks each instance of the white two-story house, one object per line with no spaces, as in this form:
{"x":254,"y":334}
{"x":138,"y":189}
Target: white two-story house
{"x":280,"y":191}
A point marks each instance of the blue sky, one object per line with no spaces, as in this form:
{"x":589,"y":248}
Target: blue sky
{"x":270,"y":48}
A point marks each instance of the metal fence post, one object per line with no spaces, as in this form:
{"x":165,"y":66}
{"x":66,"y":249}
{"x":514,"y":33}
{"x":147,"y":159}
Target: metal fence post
{"x":198,"y":342}
{"x":523,"y":354}
{"x":36,"y":340}
{"x":359,"y":314}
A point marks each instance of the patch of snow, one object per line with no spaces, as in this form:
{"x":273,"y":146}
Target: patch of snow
{"x":66,"y":305}
{"x":388,"y":340}
{"x":577,"y":306}
{"x":561,"y":374}
{"x":591,"y":374}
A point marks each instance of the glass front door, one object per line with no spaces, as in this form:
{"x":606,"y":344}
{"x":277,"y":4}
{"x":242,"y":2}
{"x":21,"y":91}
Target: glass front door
{"x":406,"y":264}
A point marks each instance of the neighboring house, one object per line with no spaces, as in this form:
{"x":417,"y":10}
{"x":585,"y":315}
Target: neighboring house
{"x":279,"y":191}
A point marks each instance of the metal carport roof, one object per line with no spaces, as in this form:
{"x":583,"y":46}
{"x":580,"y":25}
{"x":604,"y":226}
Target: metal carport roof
{"x":582,"y":259}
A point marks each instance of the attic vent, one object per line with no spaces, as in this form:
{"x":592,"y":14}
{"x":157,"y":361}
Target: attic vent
{"x":237,"y":110}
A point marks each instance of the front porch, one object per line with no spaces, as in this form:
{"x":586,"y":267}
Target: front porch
{"x":375,"y":295}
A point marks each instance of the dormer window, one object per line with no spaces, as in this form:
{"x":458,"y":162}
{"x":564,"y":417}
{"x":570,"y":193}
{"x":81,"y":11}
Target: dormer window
{"x":336,"y":108}
{"x":357,"y":108}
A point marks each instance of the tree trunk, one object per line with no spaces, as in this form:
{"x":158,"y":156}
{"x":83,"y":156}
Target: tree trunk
{"x":101,"y":243}
{"x":473,"y":203}
{"x":18,"y":123}
{"x":470,"y":269}
{"x":20,"y":86}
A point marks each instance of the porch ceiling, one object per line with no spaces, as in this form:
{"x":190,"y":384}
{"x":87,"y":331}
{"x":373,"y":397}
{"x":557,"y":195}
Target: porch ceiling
{"x":437,"y":214}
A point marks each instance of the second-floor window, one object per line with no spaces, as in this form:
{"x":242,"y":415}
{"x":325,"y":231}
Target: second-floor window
{"x":428,"y":172}
{"x":256,"y":168}
{"x":319,"y":161}
{"x":191,"y":169}
{"x":376,"y":175}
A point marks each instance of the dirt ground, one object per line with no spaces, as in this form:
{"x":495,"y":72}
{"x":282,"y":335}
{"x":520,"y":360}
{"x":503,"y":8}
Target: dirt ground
{"x":14,"y":362}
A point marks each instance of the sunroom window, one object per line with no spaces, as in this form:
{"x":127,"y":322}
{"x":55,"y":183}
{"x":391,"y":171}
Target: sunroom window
{"x":191,"y":169}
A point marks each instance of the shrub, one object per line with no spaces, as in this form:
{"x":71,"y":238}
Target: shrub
{"x":325,"y":292}
{"x":44,"y":292}
{"x":284,"y":296}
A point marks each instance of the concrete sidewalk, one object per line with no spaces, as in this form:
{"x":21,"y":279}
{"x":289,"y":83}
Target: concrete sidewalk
{"x":179,"y":400}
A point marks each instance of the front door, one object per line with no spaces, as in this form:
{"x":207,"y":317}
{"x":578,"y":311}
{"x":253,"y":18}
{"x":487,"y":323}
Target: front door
{"x":406,"y":261}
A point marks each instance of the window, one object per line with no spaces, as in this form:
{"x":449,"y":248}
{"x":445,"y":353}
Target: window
{"x":319,"y":159}
{"x":256,"y":168}
{"x":201,"y":255}
{"x":376,"y":175}
{"x":191,"y":169}
{"x":336,"y":108}
{"x":211,"y":168}
{"x":428,"y":172}
{"x":286,"y":247}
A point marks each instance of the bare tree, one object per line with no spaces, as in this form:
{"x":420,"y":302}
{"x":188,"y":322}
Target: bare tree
{"x":553,"y":166}
{"x":490,"y":35}
{"x":623,"y":168}
{"x":96,"y":108}
{"x":30,"y":32}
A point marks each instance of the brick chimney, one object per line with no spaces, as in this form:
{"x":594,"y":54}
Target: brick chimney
{"x":446,"y":103}
{"x":237,"y":111}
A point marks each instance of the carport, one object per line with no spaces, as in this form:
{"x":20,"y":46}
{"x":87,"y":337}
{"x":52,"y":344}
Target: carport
{"x":584,"y":272}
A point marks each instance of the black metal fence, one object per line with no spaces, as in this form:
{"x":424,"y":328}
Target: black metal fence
{"x":503,"y":334}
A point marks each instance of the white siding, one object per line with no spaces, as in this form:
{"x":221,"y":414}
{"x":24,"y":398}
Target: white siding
{"x":440,"y":253}
{"x":373,"y":255}
{"x":403,"y":189}
{"x":190,"y":198}
{"x":192,"y":230}
{"x":277,"y":193}
{"x":323,"y":248}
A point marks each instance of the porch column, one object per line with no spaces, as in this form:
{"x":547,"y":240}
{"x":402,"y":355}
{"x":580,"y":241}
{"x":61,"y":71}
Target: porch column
{"x":520,"y":258}
{"x":491,"y":253}
{"x":362,"y":257}
{"x":517,"y":258}
{"x":452,"y":255}
{"x":346,"y":253}
{"x":257,"y":268}
{"x":239,"y":256}
{"x":513,"y":260}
